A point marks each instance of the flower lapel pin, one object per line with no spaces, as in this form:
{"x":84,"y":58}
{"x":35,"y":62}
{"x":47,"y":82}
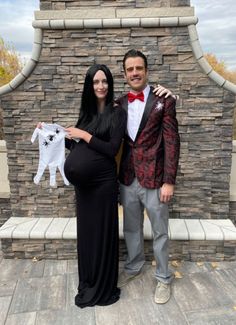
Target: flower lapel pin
{"x":158,"y":106}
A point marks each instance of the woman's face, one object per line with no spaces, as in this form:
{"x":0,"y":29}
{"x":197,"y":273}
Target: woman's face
{"x":100,"y":85}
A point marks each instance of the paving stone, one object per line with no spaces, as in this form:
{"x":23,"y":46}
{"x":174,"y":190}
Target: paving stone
{"x":205,"y":162}
{"x":145,"y":284}
{"x":187,"y":268}
{"x":7,"y":288}
{"x":141,"y":311}
{"x":202,"y":290}
{"x":224,"y":315}
{"x":38,"y":294}
{"x":72,"y":266}
{"x":15,"y":269}
{"x":199,"y":291}
{"x":71,"y":290}
{"x":71,"y":316}
{"x":226,"y":279}
{"x":21,"y":319}
{"x":54,"y":267}
{"x":4,"y":303}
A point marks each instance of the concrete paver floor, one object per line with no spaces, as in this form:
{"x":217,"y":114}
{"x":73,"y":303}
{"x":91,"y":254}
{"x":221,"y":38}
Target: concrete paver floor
{"x":42,"y":293}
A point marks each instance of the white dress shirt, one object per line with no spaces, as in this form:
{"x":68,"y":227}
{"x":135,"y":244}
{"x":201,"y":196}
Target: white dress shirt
{"x":135,"y":114}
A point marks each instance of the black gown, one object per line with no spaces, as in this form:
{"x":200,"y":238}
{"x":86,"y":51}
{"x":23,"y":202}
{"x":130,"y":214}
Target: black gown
{"x":92,"y":169}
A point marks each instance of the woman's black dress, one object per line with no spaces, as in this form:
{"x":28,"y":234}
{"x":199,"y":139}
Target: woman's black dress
{"x":92,"y":169}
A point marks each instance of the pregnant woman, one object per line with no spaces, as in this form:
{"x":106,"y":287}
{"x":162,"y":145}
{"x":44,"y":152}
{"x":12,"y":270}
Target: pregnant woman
{"x":91,"y":168}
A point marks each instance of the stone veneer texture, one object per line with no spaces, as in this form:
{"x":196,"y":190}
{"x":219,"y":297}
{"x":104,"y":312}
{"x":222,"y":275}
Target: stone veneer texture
{"x":52,"y":94}
{"x":5,"y":210}
{"x":210,"y":250}
{"x":68,"y":4}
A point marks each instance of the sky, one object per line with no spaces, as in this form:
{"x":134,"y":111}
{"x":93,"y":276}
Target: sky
{"x":216,"y":27}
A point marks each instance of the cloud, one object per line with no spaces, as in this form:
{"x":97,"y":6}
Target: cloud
{"x":216,"y":28}
{"x":16,"y":18}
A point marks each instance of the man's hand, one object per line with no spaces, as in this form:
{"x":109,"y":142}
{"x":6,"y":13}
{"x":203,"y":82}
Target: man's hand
{"x":160,"y":91}
{"x":166,"y":192}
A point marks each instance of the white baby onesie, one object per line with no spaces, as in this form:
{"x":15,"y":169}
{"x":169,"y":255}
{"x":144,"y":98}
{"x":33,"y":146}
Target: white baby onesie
{"x":51,"y":139}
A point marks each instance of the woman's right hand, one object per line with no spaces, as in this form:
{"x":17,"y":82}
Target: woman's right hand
{"x":39,"y":125}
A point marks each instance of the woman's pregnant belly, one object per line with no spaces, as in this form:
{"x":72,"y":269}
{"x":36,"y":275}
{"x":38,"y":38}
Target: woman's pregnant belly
{"x":85,"y":166}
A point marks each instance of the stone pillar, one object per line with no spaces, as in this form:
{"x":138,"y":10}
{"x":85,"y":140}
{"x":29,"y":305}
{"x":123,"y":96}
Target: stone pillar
{"x":76,"y":34}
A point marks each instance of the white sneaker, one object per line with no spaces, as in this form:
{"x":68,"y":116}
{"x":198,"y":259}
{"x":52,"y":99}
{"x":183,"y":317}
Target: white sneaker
{"x":125,"y":278}
{"x":162,"y":293}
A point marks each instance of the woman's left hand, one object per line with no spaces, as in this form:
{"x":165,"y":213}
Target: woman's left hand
{"x":73,"y":132}
{"x":78,"y":134}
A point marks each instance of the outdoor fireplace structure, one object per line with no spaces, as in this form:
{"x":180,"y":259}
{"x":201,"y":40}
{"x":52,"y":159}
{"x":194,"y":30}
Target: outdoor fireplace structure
{"x":72,"y":35}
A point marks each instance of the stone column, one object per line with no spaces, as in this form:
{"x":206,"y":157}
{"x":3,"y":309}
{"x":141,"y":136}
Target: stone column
{"x":72,"y":35}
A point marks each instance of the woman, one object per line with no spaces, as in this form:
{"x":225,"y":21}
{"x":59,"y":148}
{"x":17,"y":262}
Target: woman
{"x":92,"y":169}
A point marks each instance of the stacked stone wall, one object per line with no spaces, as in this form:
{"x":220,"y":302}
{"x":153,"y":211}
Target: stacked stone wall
{"x":232,"y":211}
{"x":1,"y":125}
{"x":5,"y":210}
{"x":196,"y":250}
{"x":52,"y":94}
{"x":68,"y":4}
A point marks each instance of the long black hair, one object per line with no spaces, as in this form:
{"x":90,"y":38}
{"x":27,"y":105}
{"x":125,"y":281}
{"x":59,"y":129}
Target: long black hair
{"x":89,"y":118}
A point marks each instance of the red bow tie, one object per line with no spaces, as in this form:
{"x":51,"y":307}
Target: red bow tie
{"x":132,"y":97}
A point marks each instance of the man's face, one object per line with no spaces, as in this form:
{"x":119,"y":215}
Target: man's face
{"x":136,"y":73}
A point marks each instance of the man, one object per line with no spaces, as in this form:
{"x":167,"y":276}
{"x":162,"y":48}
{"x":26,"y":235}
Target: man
{"x":147,"y":171}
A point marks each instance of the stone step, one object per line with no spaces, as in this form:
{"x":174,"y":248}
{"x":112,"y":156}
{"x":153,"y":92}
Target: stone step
{"x":65,"y":228}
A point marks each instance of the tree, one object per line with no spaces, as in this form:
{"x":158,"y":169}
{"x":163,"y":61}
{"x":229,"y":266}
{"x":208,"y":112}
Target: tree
{"x":222,"y":69}
{"x":10,"y":62}
{"x":10,"y":66}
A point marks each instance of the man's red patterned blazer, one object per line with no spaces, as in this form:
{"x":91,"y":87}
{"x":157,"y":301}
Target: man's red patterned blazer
{"x":153,"y":156}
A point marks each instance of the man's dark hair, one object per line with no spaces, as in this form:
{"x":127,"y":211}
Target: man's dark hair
{"x":133,"y":54}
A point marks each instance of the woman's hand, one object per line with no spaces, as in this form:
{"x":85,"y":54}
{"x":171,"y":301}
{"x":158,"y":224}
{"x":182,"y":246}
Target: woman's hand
{"x":78,"y":134}
{"x":39,"y":125}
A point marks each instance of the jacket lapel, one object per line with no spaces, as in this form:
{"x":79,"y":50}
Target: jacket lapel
{"x":147,"y":110}
{"x":124,"y":102}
